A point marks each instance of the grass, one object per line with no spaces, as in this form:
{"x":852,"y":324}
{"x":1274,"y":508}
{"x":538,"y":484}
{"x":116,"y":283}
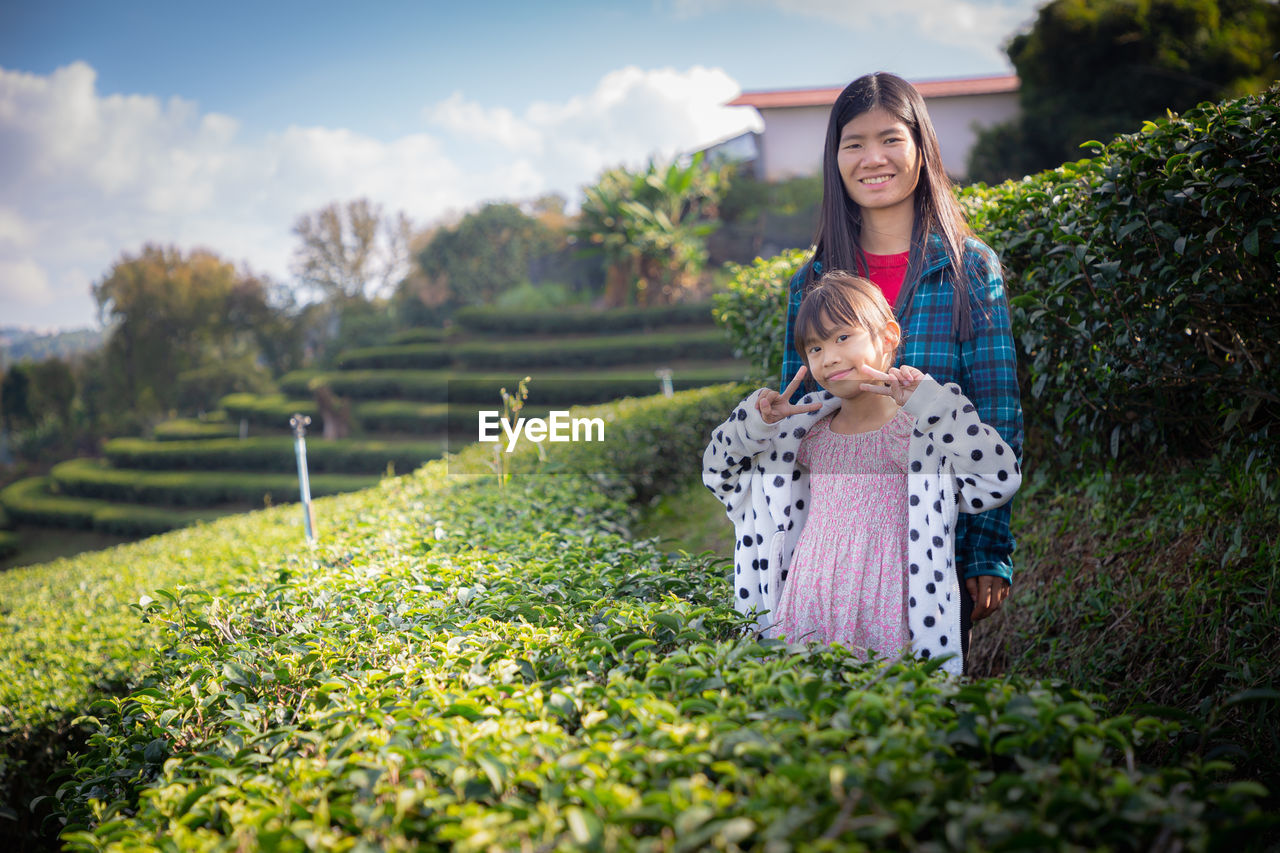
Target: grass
{"x":688,"y":519}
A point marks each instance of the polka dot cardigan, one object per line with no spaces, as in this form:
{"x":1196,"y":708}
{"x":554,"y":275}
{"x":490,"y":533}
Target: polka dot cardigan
{"x":956,"y":464}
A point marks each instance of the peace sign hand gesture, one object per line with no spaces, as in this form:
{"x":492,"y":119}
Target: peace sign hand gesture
{"x":775,"y":406}
{"x":903,"y":382}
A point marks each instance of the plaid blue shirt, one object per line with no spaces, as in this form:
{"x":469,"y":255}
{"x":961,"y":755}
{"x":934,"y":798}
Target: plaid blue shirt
{"x":984,"y":368}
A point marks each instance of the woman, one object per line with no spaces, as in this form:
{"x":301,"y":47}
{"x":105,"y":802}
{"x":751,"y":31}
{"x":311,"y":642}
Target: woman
{"x":888,"y":213}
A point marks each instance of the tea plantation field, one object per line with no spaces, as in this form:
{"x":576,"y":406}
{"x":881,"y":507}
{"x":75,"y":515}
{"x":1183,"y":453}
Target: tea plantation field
{"x":471,"y":662}
{"x":405,"y":402}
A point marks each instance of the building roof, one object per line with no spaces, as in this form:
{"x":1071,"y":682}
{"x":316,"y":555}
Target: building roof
{"x":927,"y":88}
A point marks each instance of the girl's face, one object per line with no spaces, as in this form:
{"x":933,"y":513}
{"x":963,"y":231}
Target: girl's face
{"x":836,"y":362}
{"x":879,"y":161}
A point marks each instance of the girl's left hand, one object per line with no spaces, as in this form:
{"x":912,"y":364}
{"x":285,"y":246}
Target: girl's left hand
{"x":902,"y":382}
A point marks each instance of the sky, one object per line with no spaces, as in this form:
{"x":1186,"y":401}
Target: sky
{"x":217,"y":125}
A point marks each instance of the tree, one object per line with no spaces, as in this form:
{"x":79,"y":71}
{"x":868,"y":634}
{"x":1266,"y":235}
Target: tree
{"x":15,"y":398}
{"x":168,"y":314}
{"x":53,"y":390}
{"x":651,"y":227}
{"x":352,"y":251}
{"x":486,"y":253}
{"x":1092,"y":69}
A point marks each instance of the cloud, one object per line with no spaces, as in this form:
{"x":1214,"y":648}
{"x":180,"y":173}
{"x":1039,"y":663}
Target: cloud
{"x":976,"y":24}
{"x":85,"y":177}
{"x":24,"y":283}
{"x":632,"y":114}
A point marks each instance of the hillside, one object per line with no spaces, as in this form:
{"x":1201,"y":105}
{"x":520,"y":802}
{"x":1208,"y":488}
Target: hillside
{"x":465,"y":664}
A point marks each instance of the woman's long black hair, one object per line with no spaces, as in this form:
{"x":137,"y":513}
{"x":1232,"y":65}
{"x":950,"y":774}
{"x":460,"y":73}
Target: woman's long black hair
{"x":838,"y":241}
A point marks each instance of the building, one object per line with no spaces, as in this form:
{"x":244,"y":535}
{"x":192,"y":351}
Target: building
{"x":795,"y":121}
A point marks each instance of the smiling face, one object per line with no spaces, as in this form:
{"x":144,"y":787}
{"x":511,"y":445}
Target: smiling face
{"x":836,"y":360}
{"x":878,"y":160}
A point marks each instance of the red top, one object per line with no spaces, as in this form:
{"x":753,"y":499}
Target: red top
{"x":887,"y":273}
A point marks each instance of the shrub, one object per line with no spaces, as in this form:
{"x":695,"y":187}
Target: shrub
{"x":1156,"y":589}
{"x":415,"y":356}
{"x":550,"y":386}
{"x":628,"y":349}
{"x":35,"y":501}
{"x":1146,"y":283}
{"x":461,"y":665}
{"x":753,"y":311}
{"x":186,"y":429}
{"x":91,"y":478}
{"x":489,"y":321}
{"x":419,"y":335}
{"x":272,"y":453}
{"x":271,"y":410}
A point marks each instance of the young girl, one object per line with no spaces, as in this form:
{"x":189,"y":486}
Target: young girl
{"x":888,"y":213}
{"x":845,"y":505}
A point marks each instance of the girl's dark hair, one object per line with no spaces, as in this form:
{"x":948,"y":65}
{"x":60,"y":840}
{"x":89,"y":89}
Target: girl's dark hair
{"x":838,"y":241}
{"x":840,"y":298}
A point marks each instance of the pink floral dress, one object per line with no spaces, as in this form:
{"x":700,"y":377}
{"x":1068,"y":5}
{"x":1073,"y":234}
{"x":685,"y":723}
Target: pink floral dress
{"x":847,"y":581}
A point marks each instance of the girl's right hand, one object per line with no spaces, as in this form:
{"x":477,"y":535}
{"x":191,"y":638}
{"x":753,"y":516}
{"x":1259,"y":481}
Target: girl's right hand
{"x":774,"y":406}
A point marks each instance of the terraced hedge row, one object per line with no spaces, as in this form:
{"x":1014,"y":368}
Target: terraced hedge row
{"x":492,"y":321}
{"x":91,"y":478}
{"x":550,"y":387}
{"x":270,"y":454}
{"x":409,"y":356}
{"x":187,"y":429}
{"x":34,"y":501}
{"x":466,"y":666}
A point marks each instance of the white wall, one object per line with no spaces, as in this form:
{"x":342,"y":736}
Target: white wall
{"x":793,"y":136}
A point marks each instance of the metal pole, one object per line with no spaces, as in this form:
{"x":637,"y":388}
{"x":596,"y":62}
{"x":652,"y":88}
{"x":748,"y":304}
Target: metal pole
{"x":300,"y":422}
{"x":664,"y":378}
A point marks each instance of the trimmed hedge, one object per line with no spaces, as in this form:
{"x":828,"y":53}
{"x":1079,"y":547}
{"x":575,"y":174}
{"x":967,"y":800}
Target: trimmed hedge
{"x":92,"y":478}
{"x":419,"y":356}
{"x":631,"y":349}
{"x":187,"y":429}
{"x":347,"y":456}
{"x":1146,"y":284}
{"x":481,"y":667}
{"x":494,"y":321}
{"x":551,"y":386}
{"x":419,"y":335}
{"x":273,"y":410}
{"x":33,"y":501}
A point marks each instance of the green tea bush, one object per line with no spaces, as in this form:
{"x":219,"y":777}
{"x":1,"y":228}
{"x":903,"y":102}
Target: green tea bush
{"x":753,"y":311}
{"x":93,"y":478}
{"x":1146,"y":283}
{"x":415,"y":356}
{"x":270,"y":453}
{"x":1157,"y":589}
{"x":466,"y":664}
{"x":488,"y":321}
{"x":68,"y":638}
{"x":39,"y":501}
{"x":271,"y":410}
{"x":551,"y":386}
{"x":419,"y":335}
{"x":492,"y":668}
{"x":629,"y":349}
{"x":187,"y":429}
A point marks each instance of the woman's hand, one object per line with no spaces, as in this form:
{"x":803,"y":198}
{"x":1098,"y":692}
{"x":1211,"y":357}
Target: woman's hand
{"x":903,"y":381}
{"x":774,"y":406}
